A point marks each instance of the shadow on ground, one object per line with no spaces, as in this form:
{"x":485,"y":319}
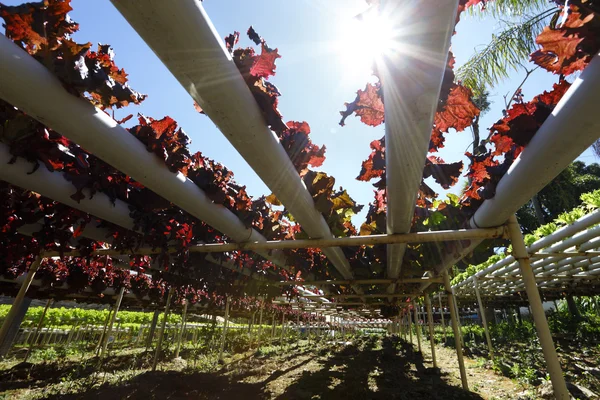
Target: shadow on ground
{"x":375,"y":369}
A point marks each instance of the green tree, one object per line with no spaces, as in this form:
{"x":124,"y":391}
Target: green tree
{"x":561,"y":194}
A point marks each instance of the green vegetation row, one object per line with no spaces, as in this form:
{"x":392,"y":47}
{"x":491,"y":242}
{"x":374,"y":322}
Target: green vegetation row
{"x":584,"y":328}
{"x":61,"y":316}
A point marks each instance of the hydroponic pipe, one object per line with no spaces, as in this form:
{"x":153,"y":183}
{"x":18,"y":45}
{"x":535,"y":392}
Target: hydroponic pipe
{"x":586,"y":240}
{"x":196,"y":55}
{"x":589,"y":239}
{"x":513,"y":284}
{"x":568,"y":231}
{"x":571,"y":128}
{"x":411,"y":75}
{"x":56,"y":187}
{"x":28,"y":85}
{"x":89,"y":231}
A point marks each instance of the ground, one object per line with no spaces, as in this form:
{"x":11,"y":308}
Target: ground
{"x":368,"y":368}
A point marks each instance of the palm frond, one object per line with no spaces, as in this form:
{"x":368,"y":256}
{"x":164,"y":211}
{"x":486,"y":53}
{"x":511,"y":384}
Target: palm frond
{"x":507,"y":8}
{"x":507,"y":51}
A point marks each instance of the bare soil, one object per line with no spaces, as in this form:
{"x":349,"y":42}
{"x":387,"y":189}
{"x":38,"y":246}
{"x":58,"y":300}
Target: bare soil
{"x":373,"y":368}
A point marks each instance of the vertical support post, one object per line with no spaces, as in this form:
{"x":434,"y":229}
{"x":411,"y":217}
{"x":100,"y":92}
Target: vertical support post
{"x":112,"y":321}
{"x":456,"y":330}
{"x":16,"y":309}
{"x":483,"y":319}
{"x":403,"y":324}
{"x":260,"y":323}
{"x":152,"y":328}
{"x":442,"y":314}
{"x":37,"y":330}
{"x":101,"y":341}
{"x":273,"y":327}
{"x":225,"y":325}
{"x":519,"y":316}
{"x":409,"y":324}
{"x":430,"y":321}
{"x":460,"y":335}
{"x":282,"y":327}
{"x":162,"y":329}
{"x":183,"y":319}
{"x":539,"y":316}
{"x":417,"y":328}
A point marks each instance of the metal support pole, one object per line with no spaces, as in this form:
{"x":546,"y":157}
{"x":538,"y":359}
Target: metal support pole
{"x":224,"y":333}
{"x":11,"y":317}
{"x":417,"y":328}
{"x":112,"y":321}
{"x":430,"y":321}
{"x":442,"y":314}
{"x":273,"y":327}
{"x":409,"y":325}
{"x":456,"y":330}
{"x":483,"y":319}
{"x":180,"y":338}
{"x":152,"y":328}
{"x":460,"y":335}
{"x":282,"y":326}
{"x":260,"y":317}
{"x":37,"y":330}
{"x":403,"y":325}
{"x":162,"y":329}
{"x":101,"y":341}
{"x":537,"y":309}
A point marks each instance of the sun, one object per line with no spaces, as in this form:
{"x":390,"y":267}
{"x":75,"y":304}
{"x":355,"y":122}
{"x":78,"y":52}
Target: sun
{"x":365,"y":40}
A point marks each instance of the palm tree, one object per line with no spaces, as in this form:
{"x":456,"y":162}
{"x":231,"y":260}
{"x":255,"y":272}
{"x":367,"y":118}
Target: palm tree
{"x":510,"y":49}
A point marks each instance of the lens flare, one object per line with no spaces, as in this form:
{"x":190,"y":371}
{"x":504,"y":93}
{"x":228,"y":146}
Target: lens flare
{"x":363,"y":40}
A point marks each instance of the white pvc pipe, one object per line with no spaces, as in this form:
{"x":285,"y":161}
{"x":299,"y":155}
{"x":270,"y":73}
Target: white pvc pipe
{"x":572,"y":235}
{"x":411,"y":77}
{"x":572,"y":127}
{"x":56,"y":187}
{"x":196,"y":55}
{"x":89,"y":231}
{"x":28,"y":85}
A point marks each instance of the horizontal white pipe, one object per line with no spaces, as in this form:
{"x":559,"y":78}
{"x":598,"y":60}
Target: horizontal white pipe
{"x":56,"y":187}
{"x":556,"y":268}
{"x":573,"y":233}
{"x":28,"y":85}
{"x":89,"y":231}
{"x":195,"y":54}
{"x":572,"y":127}
{"x":559,"y":269}
{"x":566,"y":231}
{"x":586,"y":241}
{"x":518,"y":286}
{"x":411,"y":77}
{"x":570,"y":130}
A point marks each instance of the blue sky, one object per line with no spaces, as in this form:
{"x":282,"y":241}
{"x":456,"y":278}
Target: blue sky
{"x":314,"y":76}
